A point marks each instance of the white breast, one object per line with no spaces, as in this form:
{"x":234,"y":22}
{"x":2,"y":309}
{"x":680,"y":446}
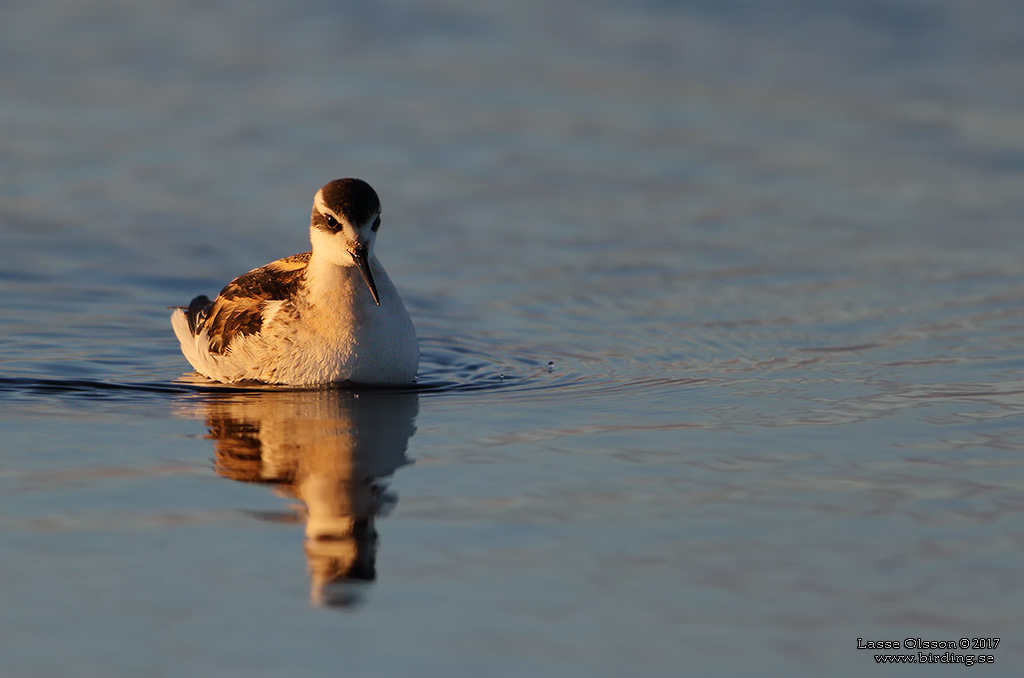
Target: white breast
{"x":336,"y":332}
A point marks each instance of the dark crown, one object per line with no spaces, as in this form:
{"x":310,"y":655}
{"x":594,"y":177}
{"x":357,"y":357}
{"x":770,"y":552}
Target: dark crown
{"x":353,"y":199}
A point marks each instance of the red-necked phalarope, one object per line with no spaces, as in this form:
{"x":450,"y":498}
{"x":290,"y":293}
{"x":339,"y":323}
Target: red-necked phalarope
{"x":324,"y":316}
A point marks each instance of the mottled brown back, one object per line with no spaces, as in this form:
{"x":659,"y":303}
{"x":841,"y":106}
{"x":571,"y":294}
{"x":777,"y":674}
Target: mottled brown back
{"x":238,"y":309}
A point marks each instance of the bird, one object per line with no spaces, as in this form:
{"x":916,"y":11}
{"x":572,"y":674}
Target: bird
{"x":311,"y":319}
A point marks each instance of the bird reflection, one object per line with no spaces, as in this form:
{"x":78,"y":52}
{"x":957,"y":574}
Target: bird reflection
{"x":329,"y":449}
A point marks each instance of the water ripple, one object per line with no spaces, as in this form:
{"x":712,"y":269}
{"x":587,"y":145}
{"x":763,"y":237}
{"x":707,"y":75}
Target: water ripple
{"x":447,"y":368}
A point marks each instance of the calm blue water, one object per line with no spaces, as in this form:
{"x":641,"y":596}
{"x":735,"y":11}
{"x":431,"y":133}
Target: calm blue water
{"x":721,"y":308}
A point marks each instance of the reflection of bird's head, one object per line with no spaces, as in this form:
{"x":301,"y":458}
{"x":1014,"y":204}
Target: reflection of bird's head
{"x":336,"y":560}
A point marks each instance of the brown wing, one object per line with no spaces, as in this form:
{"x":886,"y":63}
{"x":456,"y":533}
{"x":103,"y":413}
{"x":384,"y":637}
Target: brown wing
{"x":238,"y":309}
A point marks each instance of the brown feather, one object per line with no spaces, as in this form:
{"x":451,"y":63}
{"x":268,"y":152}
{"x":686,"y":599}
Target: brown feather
{"x":238,"y":309}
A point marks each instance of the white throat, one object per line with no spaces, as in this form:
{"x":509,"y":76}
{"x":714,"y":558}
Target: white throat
{"x":333,"y":247}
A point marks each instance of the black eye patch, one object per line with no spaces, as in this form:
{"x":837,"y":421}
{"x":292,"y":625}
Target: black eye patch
{"x":326,"y":222}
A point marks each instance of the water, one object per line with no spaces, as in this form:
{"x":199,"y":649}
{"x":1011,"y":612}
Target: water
{"x":721,"y":316}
